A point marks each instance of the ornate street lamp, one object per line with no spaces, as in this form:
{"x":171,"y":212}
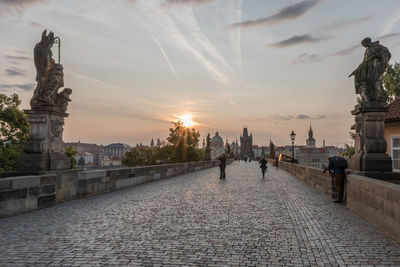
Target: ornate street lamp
{"x":292,"y":137}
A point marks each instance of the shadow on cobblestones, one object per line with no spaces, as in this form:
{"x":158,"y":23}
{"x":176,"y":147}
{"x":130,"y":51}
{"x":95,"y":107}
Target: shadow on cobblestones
{"x":198,"y":219}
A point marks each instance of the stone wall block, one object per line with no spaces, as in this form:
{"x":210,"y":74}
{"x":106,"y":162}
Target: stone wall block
{"x":13,"y":195}
{"x":5,"y":184}
{"x":47,"y":179}
{"x":24,"y":182}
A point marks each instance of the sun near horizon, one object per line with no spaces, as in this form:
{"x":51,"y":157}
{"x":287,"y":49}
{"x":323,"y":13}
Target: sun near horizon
{"x":187,"y":120}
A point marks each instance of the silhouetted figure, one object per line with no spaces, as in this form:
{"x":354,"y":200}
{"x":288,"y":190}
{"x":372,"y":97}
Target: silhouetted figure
{"x":222,"y":166}
{"x":263,"y":165}
{"x":276,"y":162}
{"x":338,"y":165}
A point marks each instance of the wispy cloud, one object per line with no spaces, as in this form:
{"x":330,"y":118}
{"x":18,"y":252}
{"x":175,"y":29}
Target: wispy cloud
{"x":302,"y":117}
{"x":349,"y":50}
{"x":24,"y":86}
{"x":390,"y":35}
{"x":391,"y":22}
{"x":287,"y":13}
{"x":345,"y":23}
{"x":298,"y":39}
{"x":165,"y":56}
{"x":17,"y":5}
{"x":346,"y":51}
{"x":17,"y":58}
{"x":14,"y":72}
{"x":38,"y":25}
{"x":307,"y":58}
{"x":297,"y":117}
{"x":170,"y":3}
{"x":177,"y":24}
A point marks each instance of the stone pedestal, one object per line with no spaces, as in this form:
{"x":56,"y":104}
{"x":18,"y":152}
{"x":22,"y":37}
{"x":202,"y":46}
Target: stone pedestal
{"x":44,"y":148}
{"x":370,"y":146}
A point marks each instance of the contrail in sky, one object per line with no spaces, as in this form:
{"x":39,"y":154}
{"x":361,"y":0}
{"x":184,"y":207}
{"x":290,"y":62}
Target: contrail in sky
{"x":165,"y":56}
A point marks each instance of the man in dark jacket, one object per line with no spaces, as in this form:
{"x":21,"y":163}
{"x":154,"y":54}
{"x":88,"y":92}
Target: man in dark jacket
{"x":263,"y":165}
{"x":338,"y":165}
{"x":222,"y":166}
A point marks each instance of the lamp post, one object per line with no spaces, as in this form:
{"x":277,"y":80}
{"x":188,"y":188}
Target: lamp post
{"x":292,"y":137}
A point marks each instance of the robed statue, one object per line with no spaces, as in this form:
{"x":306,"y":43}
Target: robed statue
{"x":368,"y":75}
{"x":49,"y":78}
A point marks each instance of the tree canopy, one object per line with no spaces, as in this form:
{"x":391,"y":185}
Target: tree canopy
{"x":391,"y":81}
{"x":14,"y":130}
{"x":182,"y":146}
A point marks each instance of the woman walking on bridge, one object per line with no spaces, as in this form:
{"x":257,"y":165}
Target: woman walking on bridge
{"x":263,"y":165}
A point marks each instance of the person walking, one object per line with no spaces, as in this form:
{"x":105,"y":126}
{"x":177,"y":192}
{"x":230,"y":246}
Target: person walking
{"x":276,"y":162}
{"x":263,"y":165}
{"x":338,"y":165}
{"x":222,"y":166}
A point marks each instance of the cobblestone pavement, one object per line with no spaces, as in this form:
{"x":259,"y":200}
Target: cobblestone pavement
{"x":198,"y":219}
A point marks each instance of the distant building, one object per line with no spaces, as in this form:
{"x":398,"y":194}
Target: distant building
{"x":392,"y":133}
{"x":313,"y":156}
{"x":217,"y":146}
{"x":110,"y":160}
{"x":235,"y":149}
{"x":86,"y":156}
{"x":310,"y":142}
{"x":116,"y":149}
{"x":260,"y":151}
{"x":97,"y":151}
{"x":246,"y":144}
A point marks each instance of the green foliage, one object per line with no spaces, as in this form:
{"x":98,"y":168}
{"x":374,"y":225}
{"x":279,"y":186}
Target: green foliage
{"x":14,"y":130}
{"x":70,"y":152}
{"x":135,"y":157}
{"x":182,"y":146}
{"x":184,"y":143}
{"x":391,"y":81}
{"x":349,"y":151}
{"x":81,"y":161}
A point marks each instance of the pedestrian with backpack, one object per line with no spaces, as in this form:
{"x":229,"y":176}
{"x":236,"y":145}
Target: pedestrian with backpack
{"x":338,"y":165}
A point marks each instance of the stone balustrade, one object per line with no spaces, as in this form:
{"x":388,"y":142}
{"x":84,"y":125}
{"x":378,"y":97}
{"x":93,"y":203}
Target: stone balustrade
{"x":27,"y":193}
{"x":376,"y":201}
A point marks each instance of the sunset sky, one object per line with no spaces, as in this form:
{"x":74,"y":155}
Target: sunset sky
{"x":135,"y":66}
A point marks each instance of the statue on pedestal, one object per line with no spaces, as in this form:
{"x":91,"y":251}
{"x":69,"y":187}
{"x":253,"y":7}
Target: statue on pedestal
{"x":49,"y":78}
{"x":44,"y":148}
{"x":370,"y":144}
{"x":368,"y":75}
{"x":207,"y":155}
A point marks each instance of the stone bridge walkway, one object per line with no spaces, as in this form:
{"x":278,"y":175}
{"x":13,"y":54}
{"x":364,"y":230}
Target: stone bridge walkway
{"x":198,"y":219}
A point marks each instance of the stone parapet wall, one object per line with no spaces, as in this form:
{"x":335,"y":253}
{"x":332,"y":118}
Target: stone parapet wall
{"x":376,"y":201}
{"x":27,"y":193}
{"x":311,"y":176}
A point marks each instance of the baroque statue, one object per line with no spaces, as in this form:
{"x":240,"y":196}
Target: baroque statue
{"x":49,"y":78}
{"x":368,"y":75}
{"x":44,"y":149}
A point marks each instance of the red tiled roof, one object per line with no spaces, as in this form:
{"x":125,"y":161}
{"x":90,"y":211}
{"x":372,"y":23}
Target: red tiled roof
{"x":393,"y":114}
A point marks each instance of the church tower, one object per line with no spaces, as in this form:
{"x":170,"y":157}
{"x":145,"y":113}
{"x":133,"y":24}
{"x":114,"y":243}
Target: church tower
{"x":310,"y":142}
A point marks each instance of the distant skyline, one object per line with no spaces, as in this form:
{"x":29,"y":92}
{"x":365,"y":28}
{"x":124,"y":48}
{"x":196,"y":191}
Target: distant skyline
{"x":136,"y":65}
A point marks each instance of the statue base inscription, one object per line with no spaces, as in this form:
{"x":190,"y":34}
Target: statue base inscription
{"x":370,"y":146}
{"x":44,"y":148}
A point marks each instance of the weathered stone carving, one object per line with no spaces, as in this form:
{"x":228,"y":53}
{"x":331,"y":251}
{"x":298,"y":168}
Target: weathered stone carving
{"x":44,"y":148}
{"x":368,"y":75}
{"x":49,"y":78}
{"x":370,"y":144}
